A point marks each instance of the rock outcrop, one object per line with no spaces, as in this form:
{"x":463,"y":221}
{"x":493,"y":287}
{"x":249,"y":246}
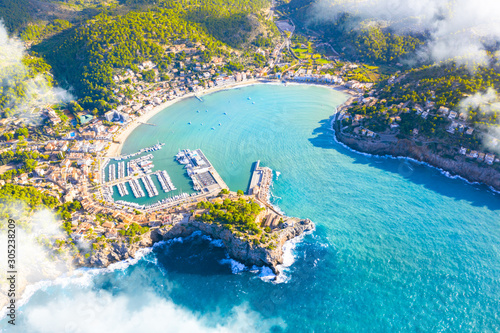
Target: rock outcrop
{"x":119,"y":251}
{"x":239,"y":249}
{"x":471,"y":171}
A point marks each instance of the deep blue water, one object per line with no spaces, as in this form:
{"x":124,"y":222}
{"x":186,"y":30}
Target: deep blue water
{"x":398,"y":247}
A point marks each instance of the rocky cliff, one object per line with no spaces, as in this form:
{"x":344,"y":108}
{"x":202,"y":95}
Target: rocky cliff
{"x":238,"y":249}
{"x":471,"y":171}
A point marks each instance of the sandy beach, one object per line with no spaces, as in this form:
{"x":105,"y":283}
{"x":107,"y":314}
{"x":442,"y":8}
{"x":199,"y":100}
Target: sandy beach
{"x":116,"y":146}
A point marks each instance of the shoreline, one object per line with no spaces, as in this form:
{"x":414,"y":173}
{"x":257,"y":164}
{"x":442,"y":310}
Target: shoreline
{"x":355,"y":147}
{"x":116,"y":145}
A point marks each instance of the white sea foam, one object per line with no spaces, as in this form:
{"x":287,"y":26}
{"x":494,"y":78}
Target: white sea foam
{"x":236,"y":267}
{"x":177,"y":240}
{"x":159,"y":244}
{"x":266,"y":274}
{"x":217,"y":243}
{"x":288,"y":257}
{"x":254,"y":269}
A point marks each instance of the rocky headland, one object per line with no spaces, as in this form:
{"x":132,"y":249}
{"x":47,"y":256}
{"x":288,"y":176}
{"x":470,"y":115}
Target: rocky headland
{"x":459,"y":166}
{"x":238,"y":248}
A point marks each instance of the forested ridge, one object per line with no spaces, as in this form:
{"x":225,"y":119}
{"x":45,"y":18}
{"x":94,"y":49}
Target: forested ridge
{"x":86,"y":57}
{"x":447,"y":85}
{"x":14,"y":13}
{"x":20,"y":83}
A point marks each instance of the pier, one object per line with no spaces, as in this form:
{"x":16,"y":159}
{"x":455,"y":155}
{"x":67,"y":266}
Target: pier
{"x":199,"y":98}
{"x":150,"y":186}
{"x":136,"y":188}
{"x":204,"y":176}
{"x":165,"y":181}
{"x":260,"y":181}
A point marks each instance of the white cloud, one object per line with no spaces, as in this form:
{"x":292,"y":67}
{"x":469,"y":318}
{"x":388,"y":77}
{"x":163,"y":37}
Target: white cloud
{"x":90,"y":311}
{"x":457,"y":28}
{"x":34,"y":262}
{"x":488,"y":103}
{"x":38,"y":92}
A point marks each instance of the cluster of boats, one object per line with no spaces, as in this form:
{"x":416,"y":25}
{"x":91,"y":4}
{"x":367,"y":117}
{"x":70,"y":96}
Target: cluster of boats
{"x":183,"y":156}
{"x":121,"y":170}
{"x":157,"y":146}
{"x":122,"y":189}
{"x":107,"y":193}
{"x":173,"y":199}
{"x":112,"y":172}
{"x":130,"y":204}
{"x":150,"y":186}
{"x":103,"y":168}
{"x":136,"y":188}
{"x":165,"y":181}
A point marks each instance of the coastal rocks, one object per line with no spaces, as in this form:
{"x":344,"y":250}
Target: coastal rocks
{"x":115,"y":252}
{"x":240,"y":249}
{"x":405,"y":148}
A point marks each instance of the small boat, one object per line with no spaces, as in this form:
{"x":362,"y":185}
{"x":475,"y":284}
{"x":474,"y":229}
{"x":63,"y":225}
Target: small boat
{"x":201,"y":124}
{"x":197,"y":111}
{"x":253,"y":102}
{"x":206,"y":110}
{"x":249,"y":98}
{"x":225,"y":113}
{"x":189,"y":123}
{"x":220,"y":124}
{"x":213,"y":128}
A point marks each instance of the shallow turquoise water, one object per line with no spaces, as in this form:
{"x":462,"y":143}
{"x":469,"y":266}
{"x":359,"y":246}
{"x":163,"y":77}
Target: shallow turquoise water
{"x":398,"y":246}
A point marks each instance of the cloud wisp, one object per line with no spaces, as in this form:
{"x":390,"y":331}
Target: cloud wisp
{"x":457,"y":29}
{"x":21,"y":92}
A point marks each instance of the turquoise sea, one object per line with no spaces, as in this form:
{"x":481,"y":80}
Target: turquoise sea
{"x":399,"y":247}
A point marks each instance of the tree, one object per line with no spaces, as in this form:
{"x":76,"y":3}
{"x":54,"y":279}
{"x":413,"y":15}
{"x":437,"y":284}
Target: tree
{"x":22,"y":132}
{"x":223,"y":191}
{"x":240,"y":193}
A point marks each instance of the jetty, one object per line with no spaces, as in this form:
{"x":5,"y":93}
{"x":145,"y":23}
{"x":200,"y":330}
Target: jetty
{"x":260,"y":181}
{"x":204,"y":176}
{"x":165,"y":181}
{"x":199,"y":98}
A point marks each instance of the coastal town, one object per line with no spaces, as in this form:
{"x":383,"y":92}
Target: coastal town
{"x":78,"y":151}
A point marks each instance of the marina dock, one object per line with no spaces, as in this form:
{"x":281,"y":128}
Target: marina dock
{"x":206,"y":180}
{"x":204,"y":176}
{"x":165,"y":181}
{"x":260,"y":181}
